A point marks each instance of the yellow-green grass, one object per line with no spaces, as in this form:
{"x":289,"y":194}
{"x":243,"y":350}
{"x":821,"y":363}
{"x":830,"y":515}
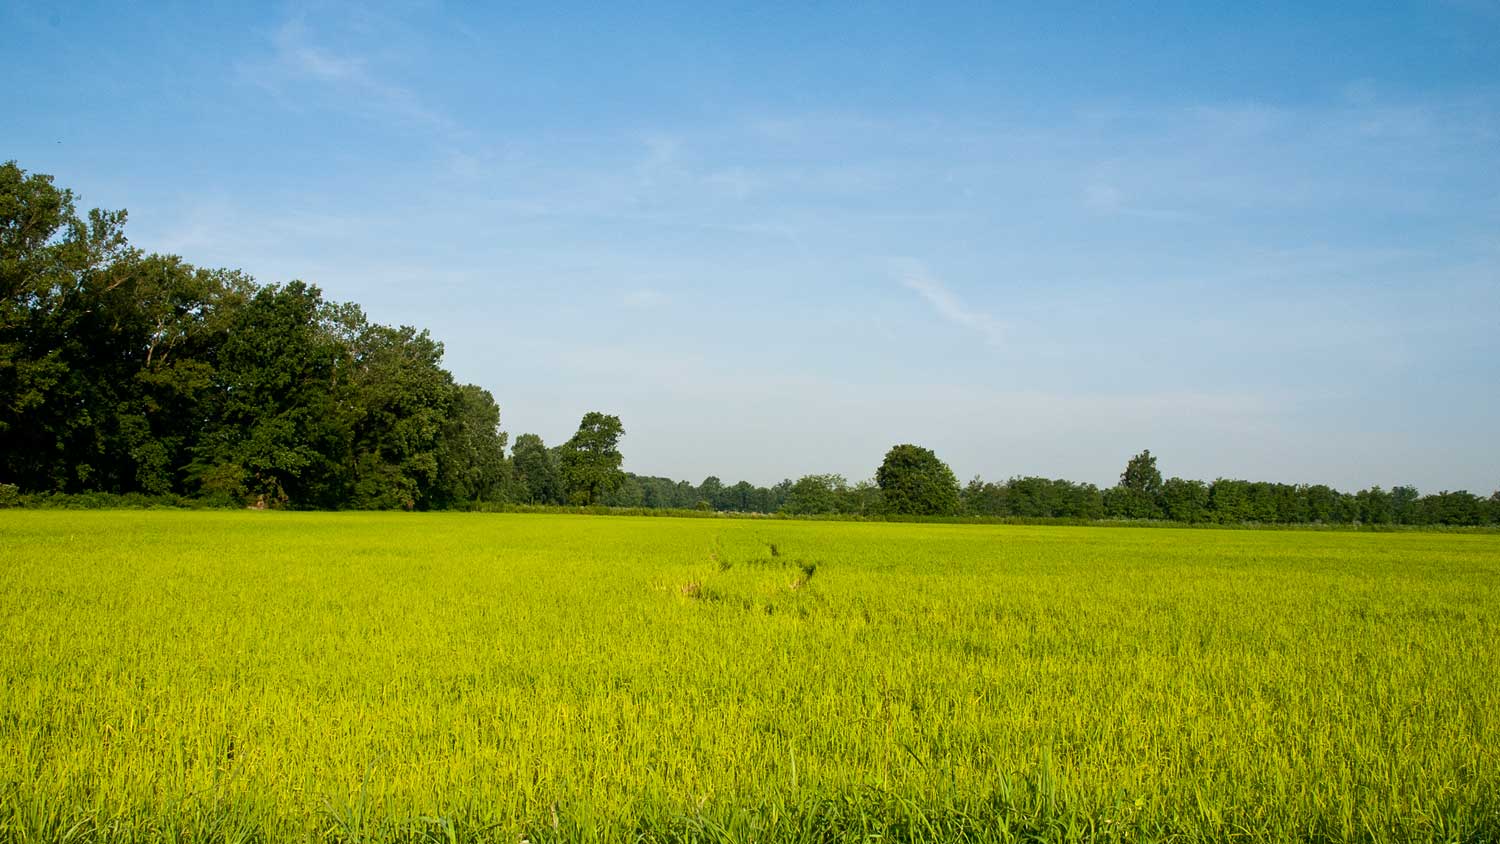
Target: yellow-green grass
{"x":283,"y":676}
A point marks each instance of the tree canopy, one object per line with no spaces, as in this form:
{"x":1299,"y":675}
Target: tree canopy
{"x":590,"y":461}
{"x":914,"y":482}
{"x":124,"y":372}
{"x":1139,"y":493}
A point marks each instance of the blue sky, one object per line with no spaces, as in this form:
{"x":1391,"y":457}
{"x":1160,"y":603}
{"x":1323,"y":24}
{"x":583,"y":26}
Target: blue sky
{"x":1262,"y":240}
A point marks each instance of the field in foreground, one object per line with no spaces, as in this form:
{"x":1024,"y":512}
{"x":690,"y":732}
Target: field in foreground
{"x":270,"y":676}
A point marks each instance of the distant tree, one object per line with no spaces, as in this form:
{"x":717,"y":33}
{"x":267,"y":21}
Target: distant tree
{"x":1138,"y":494}
{"x":741,"y":497}
{"x":1325,"y":505}
{"x":1118,"y":501}
{"x":815,"y":494}
{"x":1236,"y":502}
{"x":1404,"y":509}
{"x":1229,"y":501}
{"x":1033,"y":497}
{"x":1047,"y":498}
{"x":472,"y":468}
{"x":712,"y":491}
{"x":914,"y":482}
{"x":1374,"y":506}
{"x":1086,"y":501}
{"x":1184,"y":500}
{"x":776,"y":496}
{"x":1141,"y":474}
{"x":1461,"y":508}
{"x":630,"y":493}
{"x":536,"y":477}
{"x":863,"y":499}
{"x":986,"y":499}
{"x":590,"y":461}
{"x":1293,"y":503}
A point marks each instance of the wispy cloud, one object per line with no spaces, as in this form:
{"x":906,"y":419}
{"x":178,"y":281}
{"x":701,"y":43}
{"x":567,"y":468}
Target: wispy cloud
{"x":951,"y":308}
{"x":300,"y":59}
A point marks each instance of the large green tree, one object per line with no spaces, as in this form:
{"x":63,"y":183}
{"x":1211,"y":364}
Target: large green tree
{"x":1139,"y":493}
{"x":590,"y":461}
{"x":914,"y":482}
{"x":181,"y":316}
{"x":63,"y":361}
{"x":400,"y":402}
{"x":281,"y":436}
{"x":472,"y":468}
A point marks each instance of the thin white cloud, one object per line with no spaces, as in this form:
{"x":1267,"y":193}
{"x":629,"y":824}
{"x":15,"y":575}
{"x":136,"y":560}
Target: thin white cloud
{"x":950,"y":308}
{"x":298,"y":59}
{"x":295,"y":53}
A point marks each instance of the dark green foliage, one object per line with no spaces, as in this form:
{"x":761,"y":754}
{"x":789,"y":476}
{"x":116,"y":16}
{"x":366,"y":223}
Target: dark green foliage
{"x":64,"y":356}
{"x":914,"y":482}
{"x":1373,"y":506}
{"x":826,"y":495}
{"x":1185,"y":501}
{"x":986,"y":499}
{"x":711,"y":493}
{"x":536,"y":475}
{"x":471,"y":463}
{"x":630,"y":493}
{"x":589,"y":462}
{"x":665,"y":493}
{"x":126,"y":374}
{"x":1403,"y":504}
{"x":1141,"y":475}
{"x":1453,"y":508}
{"x":741,"y":498}
{"x":277,"y":437}
{"x":1224,"y":501}
{"x":656,"y":493}
{"x":1053,"y":499}
{"x":815,"y":494}
{"x":865,"y":499}
{"x":1139,"y":493}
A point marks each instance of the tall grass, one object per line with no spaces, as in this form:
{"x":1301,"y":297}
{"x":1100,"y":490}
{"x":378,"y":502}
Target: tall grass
{"x":235,"y":676}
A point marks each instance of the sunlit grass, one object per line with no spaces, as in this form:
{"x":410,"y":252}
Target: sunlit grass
{"x":271,"y":676}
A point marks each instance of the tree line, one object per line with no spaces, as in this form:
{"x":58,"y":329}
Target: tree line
{"x":128,"y":373}
{"x":131,"y":373}
{"x":924,"y":486}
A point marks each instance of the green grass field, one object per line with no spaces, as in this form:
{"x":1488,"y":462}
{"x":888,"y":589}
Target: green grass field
{"x":282,"y":676}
